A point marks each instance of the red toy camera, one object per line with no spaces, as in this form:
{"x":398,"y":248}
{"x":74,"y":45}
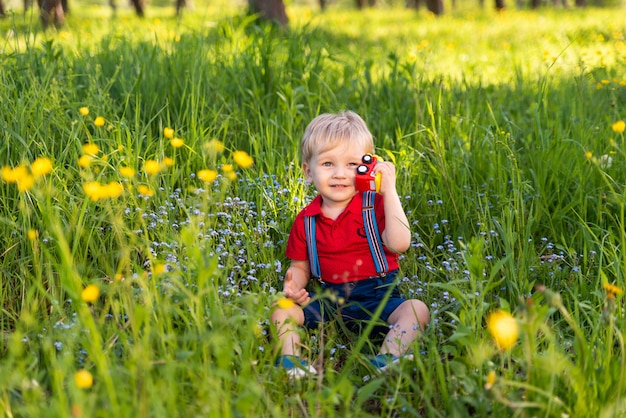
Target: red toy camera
{"x":366,"y":179}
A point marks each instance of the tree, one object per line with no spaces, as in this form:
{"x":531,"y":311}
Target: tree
{"x":273,"y":10}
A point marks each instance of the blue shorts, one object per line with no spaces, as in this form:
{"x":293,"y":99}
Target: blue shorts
{"x":354,"y":302}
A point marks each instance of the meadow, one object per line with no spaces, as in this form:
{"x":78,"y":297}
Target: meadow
{"x":151,"y":172}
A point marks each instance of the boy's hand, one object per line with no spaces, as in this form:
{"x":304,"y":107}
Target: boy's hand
{"x":388,"y":181}
{"x":293,"y":291}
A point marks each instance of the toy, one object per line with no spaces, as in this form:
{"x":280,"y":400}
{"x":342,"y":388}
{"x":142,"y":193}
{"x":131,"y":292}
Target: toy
{"x":366,"y":179}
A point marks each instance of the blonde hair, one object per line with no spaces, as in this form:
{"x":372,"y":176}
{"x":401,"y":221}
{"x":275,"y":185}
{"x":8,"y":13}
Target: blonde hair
{"x":328,"y":130}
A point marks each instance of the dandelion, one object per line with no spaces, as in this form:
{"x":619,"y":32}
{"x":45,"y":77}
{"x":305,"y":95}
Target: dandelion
{"x":14,"y":175}
{"x":93,"y":190}
{"x":168,"y":133}
{"x":127,"y":172}
{"x":227,"y":168}
{"x":91,"y":149}
{"x":619,"y":126}
{"x":285,"y":303}
{"x":207,"y":175}
{"x":84,"y":111}
{"x":85,"y":161}
{"x":32,"y":234}
{"x":611,"y":289}
{"x":177,"y":142}
{"x":25,"y":183}
{"x":159,"y":269}
{"x":41,"y":166}
{"x":145,"y":190}
{"x":112,"y":190}
{"x":588,"y":155}
{"x":99,"y":121}
{"x":231,"y":175}
{"x":491,"y":380}
{"x":152,"y":167}
{"x":90,"y":293}
{"x":83,"y":379}
{"x":503,"y":328}
{"x":242,"y":159}
{"x":168,"y":162}
{"x":214,"y":146}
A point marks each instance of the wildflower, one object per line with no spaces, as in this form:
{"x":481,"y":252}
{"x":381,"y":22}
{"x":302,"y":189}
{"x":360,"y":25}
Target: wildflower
{"x":503,"y":328}
{"x":159,"y":268}
{"x":112,"y":190}
{"x":25,"y":183}
{"x":242,"y":159}
{"x":127,"y":172}
{"x":99,"y":121}
{"x":13,"y":175}
{"x":91,"y":149}
{"x":85,"y":161}
{"x":84,"y":111}
{"x":168,"y":162}
{"x":231,"y":175}
{"x":32,"y":234}
{"x":619,"y":126}
{"x":285,"y":303}
{"x":145,"y":190}
{"x":611,"y":289}
{"x":168,"y":133}
{"x":83,"y":379}
{"x":214,"y":146}
{"x":90,"y":293}
{"x":491,"y":380}
{"x":588,"y":155}
{"x":152,"y":167}
{"x":227,"y":168}
{"x":93,"y":190}
{"x":41,"y":166}
{"x":207,"y":176}
{"x":177,"y":142}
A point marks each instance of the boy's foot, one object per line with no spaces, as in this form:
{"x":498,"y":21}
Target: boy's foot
{"x":296,"y":367}
{"x":382,"y":362}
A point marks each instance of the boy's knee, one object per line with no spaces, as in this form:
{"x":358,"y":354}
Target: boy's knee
{"x":421,"y":312}
{"x":281,"y":315}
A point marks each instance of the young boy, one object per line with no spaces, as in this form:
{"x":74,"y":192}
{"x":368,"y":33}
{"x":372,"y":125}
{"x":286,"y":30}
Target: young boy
{"x":341,"y":252}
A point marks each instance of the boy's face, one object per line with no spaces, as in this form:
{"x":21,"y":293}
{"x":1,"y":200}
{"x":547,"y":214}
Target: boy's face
{"x":332,"y":171}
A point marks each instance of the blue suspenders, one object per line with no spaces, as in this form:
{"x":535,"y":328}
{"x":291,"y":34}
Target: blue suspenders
{"x":371,"y":231}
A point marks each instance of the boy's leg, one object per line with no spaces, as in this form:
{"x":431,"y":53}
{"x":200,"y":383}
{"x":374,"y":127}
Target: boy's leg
{"x":406,"y":321}
{"x":287,"y":322}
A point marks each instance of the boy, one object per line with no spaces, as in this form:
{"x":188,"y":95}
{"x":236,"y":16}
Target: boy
{"x":341,"y":252}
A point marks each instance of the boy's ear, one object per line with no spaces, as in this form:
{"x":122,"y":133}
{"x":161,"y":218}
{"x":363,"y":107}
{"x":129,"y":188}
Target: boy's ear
{"x":307,"y":171}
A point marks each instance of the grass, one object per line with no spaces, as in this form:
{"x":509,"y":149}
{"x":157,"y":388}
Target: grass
{"x":501,"y":127}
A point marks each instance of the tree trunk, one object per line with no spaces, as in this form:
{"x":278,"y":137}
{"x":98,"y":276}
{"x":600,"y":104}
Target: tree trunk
{"x":499,"y":4}
{"x":435,"y":6}
{"x":51,"y":13}
{"x":273,"y":10}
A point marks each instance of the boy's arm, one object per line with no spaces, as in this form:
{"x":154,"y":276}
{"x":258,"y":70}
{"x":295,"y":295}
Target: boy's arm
{"x":397,"y":234}
{"x":296,"y":279}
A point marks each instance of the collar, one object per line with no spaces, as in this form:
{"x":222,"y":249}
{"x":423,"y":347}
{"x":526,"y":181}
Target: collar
{"x":315,"y":207}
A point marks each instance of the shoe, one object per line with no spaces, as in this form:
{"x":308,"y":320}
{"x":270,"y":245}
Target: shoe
{"x":382,"y":362}
{"x":296,"y":367}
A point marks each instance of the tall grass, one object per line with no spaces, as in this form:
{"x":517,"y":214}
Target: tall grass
{"x":511,"y":174}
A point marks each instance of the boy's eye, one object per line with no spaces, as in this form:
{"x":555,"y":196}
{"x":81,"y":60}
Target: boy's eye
{"x":327,"y":164}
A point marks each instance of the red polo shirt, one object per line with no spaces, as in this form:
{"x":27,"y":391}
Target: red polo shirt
{"x":342,"y":247}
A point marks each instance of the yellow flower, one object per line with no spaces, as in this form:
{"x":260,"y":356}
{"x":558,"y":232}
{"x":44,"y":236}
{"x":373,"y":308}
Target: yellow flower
{"x":177,"y":142}
{"x":13,"y":175}
{"x":91,"y":149}
{"x":41,"y":166}
{"x":85,"y":161}
{"x":127,"y":172}
{"x":99,"y":121}
{"x":152,"y":167}
{"x":207,"y":175}
{"x":285,"y":303}
{"x":588,"y":155}
{"x":32,"y":234}
{"x":612,"y":289}
{"x":84,"y":110}
{"x":242,"y":159}
{"x":145,"y":190}
{"x":227,"y":168}
{"x":214,"y":146}
{"x":491,"y":380}
{"x":83,"y":379}
{"x":168,"y":133}
{"x":231,"y":176}
{"x":90,"y":293}
{"x":619,"y":126}
{"x":503,"y":328}
{"x":25,"y":183}
{"x":112,"y":190}
{"x":93,"y":190}
{"x":168,"y":162}
{"x":159,"y":268}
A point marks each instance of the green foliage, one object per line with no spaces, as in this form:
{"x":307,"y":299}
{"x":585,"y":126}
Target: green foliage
{"x":500,"y":126}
